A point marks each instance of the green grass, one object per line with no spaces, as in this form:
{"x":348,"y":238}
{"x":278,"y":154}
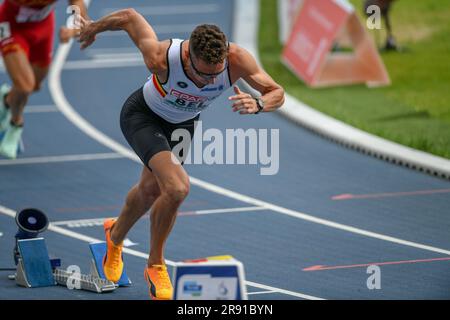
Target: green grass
{"x":415,"y":109}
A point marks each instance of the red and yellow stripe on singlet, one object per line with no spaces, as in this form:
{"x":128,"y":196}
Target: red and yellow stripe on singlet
{"x":158,"y":86}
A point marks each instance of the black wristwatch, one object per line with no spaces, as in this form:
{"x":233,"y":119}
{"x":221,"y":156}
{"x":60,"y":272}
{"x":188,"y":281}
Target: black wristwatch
{"x":259,"y":104}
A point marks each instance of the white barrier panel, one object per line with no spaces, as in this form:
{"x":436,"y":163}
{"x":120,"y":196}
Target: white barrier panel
{"x":211,"y":278}
{"x":308,"y":52}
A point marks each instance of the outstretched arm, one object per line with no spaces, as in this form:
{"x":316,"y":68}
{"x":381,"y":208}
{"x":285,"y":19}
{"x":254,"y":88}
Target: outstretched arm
{"x":243,"y":65}
{"x":138,"y":30}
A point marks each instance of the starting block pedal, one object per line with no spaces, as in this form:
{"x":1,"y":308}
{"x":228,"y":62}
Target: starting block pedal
{"x":85,"y":282}
{"x":98,"y":251}
{"x":34,"y":268}
{"x":211,"y":278}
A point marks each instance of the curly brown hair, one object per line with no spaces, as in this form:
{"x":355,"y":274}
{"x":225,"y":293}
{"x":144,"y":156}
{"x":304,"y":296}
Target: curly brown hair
{"x":209,"y":43}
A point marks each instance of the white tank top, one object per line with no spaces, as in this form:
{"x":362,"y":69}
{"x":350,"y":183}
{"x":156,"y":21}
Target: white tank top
{"x":179,"y":99}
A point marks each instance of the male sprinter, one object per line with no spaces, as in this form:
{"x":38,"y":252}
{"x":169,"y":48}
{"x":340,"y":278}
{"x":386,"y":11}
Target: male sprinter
{"x":26,"y":41}
{"x":187,"y":76}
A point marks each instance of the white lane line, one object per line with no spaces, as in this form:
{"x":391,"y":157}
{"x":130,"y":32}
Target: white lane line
{"x":107,"y":58}
{"x":171,"y":9}
{"x":112,"y":51}
{"x":159,"y":29}
{"x":228,"y":210}
{"x":75,"y":235}
{"x":41,"y":109}
{"x":68,"y":111}
{"x":65,"y":158}
{"x":115,"y":56}
{"x":287,"y":292}
{"x":260,"y":292}
{"x":82,"y":223}
{"x":98,"y":64}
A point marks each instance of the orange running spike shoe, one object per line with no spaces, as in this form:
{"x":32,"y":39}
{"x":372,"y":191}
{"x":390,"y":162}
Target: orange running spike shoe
{"x":158,"y":282}
{"x":112,"y":261}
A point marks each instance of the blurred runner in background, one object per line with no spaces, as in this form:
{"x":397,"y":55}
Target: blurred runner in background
{"x":26,"y":43}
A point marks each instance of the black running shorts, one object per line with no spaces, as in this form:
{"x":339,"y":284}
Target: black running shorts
{"x":146,"y":132}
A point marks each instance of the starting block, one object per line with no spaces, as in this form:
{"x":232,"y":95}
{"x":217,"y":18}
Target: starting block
{"x":211,"y":278}
{"x":98,"y":251}
{"x":34,"y":268}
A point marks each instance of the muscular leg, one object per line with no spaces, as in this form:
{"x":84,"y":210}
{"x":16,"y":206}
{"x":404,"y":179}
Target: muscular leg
{"x":173,"y":182}
{"x":164,"y":190}
{"x":40,"y":73}
{"x":139,"y":200}
{"x":24,"y":83}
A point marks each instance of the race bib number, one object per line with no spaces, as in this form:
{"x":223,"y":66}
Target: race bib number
{"x":5,"y":31}
{"x":187,"y":102}
{"x":27,"y":14}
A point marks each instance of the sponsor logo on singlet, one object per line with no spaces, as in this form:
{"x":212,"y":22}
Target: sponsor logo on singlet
{"x":187,"y":102}
{"x":182,"y":84}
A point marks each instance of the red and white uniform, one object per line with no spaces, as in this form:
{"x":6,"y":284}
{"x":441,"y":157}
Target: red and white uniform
{"x":28,"y":25}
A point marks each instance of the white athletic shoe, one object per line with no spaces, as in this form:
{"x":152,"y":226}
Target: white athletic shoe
{"x":5,"y":114}
{"x":10,"y":144}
